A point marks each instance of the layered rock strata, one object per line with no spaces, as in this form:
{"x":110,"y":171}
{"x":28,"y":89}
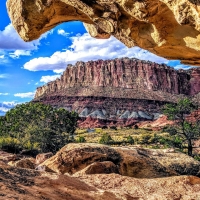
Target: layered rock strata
{"x":114,"y":76}
{"x":167,"y":28}
{"x":121,"y":91}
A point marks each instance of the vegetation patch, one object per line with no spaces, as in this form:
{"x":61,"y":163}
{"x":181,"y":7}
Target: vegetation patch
{"x":37,"y":126}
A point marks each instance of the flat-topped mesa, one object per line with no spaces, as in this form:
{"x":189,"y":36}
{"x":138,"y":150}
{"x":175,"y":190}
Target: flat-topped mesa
{"x":125,"y":77}
{"x":170,"y":29}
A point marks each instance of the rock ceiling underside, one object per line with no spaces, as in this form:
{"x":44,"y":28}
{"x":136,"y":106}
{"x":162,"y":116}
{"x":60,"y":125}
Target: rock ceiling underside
{"x":167,"y":28}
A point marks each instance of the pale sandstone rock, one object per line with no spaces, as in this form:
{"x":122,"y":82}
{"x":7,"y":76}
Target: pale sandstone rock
{"x":18,"y":183}
{"x":167,"y":28}
{"x":106,"y":167}
{"x":40,"y":158}
{"x":133,"y":162}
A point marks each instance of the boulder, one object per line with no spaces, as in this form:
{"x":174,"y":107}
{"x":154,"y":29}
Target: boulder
{"x":74,"y":157}
{"x":130,"y":161}
{"x":166,"y":28}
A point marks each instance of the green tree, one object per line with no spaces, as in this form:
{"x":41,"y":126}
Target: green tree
{"x":38,"y":123}
{"x":185,"y":129}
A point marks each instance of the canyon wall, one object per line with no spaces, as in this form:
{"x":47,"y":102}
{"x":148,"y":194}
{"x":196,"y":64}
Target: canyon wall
{"x":123,"y":74}
{"x":120,"y":92}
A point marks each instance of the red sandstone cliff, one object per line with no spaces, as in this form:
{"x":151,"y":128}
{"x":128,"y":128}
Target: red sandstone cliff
{"x":118,"y":92}
{"x":123,"y":73}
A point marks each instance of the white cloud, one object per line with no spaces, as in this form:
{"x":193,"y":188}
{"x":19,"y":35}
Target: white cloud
{"x":2,"y":56}
{"x":4,"y":109}
{"x":85,"y":48}
{"x":6,"y":106}
{"x":46,"y":79}
{"x":10,"y":103}
{"x":185,"y":67}
{"x":11,"y":41}
{"x":25,"y":95}
{"x":63,"y":33}
{"x":18,"y":53}
{"x":4,"y":94}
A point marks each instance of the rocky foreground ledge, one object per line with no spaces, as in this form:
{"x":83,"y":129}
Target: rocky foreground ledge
{"x":93,"y":171}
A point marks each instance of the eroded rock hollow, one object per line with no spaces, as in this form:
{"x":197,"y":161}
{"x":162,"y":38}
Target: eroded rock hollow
{"x":170,"y":29}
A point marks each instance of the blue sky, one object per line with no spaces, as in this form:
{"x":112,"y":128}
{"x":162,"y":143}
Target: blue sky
{"x":25,"y":66}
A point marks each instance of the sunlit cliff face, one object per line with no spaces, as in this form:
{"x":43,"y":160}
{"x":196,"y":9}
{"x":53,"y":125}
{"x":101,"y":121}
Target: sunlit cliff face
{"x":167,"y":28}
{"x":135,"y":76}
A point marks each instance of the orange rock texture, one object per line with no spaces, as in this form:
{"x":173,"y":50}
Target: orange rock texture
{"x":128,"y":161}
{"x":100,"y":180}
{"x":167,"y":28}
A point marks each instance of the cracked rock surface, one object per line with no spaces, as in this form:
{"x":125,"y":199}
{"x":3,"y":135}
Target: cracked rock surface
{"x":100,"y":172}
{"x":170,"y":29}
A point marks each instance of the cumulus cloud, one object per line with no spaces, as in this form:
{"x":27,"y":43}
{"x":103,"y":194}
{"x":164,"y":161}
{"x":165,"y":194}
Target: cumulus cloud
{"x":63,"y":33}
{"x":46,"y":79}
{"x":85,"y":48}
{"x":11,"y":41}
{"x":18,"y":53}
{"x":25,"y":95}
{"x":4,"y":94}
{"x":4,"y":109}
{"x":6,"y":106}
{"x":2,"y":56}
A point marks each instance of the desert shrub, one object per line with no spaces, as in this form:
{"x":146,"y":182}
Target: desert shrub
{"x":136,"y":140}
{"x":104,"y":127}
{"x":171,"y":141}
{"x":98,"y":130}
{"x":197,"y":157}
{"x":136,"y":126}
{"x":145,"y":138}
{"x":106,"y":139}
{"x":80,"y":139}
{"x":113,"y":127}
{"x":130,"y":140}
{"x":154,"y":139}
